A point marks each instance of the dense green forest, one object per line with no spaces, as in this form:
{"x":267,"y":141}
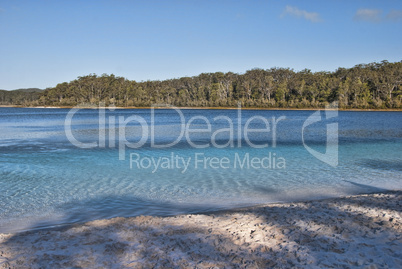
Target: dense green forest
{"x":373,"y":85}
{"x":20,"y":96}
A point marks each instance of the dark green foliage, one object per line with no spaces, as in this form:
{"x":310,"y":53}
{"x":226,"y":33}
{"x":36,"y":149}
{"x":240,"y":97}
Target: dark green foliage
{"x":24,"y":97}
{"x":374,"y":85}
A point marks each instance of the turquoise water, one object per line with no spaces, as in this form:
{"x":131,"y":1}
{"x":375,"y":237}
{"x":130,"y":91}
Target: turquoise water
{"x":46,"y":181}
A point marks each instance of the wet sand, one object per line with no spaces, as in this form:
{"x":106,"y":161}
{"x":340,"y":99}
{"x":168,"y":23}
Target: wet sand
{"x":356,"y":231}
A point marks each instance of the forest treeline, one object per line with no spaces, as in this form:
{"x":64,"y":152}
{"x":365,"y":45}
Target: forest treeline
{"x":374,"y":85}
{"x":20,"y":96}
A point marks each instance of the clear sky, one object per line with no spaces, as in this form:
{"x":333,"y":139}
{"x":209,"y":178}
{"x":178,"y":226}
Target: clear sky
{"x":43,"y":43}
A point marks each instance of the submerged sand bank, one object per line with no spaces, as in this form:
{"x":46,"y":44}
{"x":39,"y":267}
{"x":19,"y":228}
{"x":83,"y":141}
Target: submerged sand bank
{"x":355,"y":231}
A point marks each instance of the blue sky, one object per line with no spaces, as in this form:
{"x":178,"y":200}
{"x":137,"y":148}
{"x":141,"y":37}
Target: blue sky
{"x":43,"y":43}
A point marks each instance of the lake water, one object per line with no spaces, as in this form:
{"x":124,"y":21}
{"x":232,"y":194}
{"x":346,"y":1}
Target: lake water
{"x":47,"y":181}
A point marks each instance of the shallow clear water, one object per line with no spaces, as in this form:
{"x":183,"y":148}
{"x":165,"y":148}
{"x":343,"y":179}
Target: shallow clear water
{"x":46,"y":181}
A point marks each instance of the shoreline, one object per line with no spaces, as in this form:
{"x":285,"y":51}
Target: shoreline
{"x":229,"y":210}
{"x":212,"y":108}
{"x":358,"y":230}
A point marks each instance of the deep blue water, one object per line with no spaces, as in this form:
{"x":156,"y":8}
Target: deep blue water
{"x":47,"y":181}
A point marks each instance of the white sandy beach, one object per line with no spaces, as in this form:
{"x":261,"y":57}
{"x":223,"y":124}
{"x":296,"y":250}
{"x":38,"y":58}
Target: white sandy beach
{"x":357,"y":231}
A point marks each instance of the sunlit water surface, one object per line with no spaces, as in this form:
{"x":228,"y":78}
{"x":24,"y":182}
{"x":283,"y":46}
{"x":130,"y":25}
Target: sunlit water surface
{"x":46,"y":181}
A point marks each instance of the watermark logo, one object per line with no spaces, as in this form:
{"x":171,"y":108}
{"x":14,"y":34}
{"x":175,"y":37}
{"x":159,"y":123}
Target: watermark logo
{"x":236,"y":131}
{"x":188,"y":128}
{"x":331,"y":153}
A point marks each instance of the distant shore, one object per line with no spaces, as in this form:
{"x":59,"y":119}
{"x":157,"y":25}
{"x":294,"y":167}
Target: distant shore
{"x":355,"y":231}
{"x":212,"y":108}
